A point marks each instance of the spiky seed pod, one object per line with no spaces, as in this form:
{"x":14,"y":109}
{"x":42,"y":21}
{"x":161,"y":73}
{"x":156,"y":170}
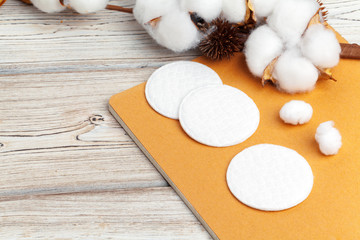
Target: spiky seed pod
{"x":223,"y":40}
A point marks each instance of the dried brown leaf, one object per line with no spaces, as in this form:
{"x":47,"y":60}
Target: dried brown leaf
{"x":326,"y":74}
{"x":153,"y":22}
{"x":250,"y":18}
{"x":268,"y":72}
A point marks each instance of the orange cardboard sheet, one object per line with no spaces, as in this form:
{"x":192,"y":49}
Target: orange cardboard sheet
{"x":197,"y":172}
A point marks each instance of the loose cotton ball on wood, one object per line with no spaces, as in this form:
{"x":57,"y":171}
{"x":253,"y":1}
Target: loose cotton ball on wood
{"x":294,"y":73}
{"x":328,"y":138}
{"x":320,"y":46}
{"x":296,"y":112}
{"x":262,"y":46}
{"x":88,"y":6}
{"x":291,"y":17}
{"x":49,"y":6}
{"x":234,"y":10}
{"x":207,"y":9}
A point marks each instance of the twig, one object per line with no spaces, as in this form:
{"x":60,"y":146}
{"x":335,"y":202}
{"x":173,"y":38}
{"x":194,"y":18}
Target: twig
{"x":351,"y":51}
{"x":118,"y":8}
{"x":26,"y":1}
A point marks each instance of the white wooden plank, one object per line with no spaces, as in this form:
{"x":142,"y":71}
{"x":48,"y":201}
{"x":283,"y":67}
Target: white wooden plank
{"x":61,"y":138}
{"x":152,"y":213}
{"x":33,"y":41}
{"x":344,"y":16}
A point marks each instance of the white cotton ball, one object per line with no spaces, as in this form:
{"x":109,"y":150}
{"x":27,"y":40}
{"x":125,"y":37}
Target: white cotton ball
{"x":177,"y":32}
{"x":234,"y":10}
{"x":49,"y":6}
{"x":174,"y":29}
{"x":320,"y":45}
{"x":88,"y":6}
{"x":263,"y":8}
{"x":328,"y":138}
{"x":207,"y":9}
{"x":295,"y":73}
{"x":146,"y":10}
{"x":291,"y":17}
{"x":296,"y":112}
{"x":262,"y":46}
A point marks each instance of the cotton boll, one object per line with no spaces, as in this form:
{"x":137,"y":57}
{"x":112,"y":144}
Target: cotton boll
{"x":263,"y":8}
{"x":207,"y":9}
{"x":174,"y":29}
{"x":234,"y":10}
{"x":296,"y":112}
{"x":88,"y":6}
{"x":295,"y":73}
{"x":328,"y":138}
{"x":291,"y":17}
{"x":177,"y":32}
{"x":49,"y":6}
{"x":146,"y":10}
{"x":320,"y":45}
{"x":262,"y":46}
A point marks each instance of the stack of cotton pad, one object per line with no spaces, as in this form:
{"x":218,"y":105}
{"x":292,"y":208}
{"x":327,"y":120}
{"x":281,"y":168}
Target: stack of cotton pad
{"x":219,"y":116}
{"x":210,"y":112}
{"x":168,"y":85}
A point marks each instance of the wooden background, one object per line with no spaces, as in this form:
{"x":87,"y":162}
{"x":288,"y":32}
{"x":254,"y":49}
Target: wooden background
{"x":67,"y":169}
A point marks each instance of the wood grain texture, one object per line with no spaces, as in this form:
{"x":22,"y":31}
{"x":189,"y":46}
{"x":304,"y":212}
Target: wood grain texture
{"x":68,"y":170}
{"x":120,"y":214}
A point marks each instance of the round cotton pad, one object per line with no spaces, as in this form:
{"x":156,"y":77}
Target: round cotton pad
{"x":168,"y":85}
{"x":219,"y":116}
{"x":269,"y":177}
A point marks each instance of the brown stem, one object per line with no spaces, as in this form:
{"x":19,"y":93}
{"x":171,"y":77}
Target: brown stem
{"x":2,"y":2}
{"x":351,"y":51}
{"x":26,"y":1}
{"x":118,"y":8}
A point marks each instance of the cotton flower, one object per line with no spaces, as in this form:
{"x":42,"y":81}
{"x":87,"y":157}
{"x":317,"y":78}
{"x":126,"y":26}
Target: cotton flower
{"x":262,"y":46}
{"x":49,"y":6}
{"x":291,"y":17}
{"x":294,"y":73}
{"x":234,"y":10}
{"x":167,"y":24}
{"x":177,"y":32}
{"x":296,"y":112}
{"x":328,"y":138}
{"x":320,"y":46}
{"x":207,"y":9}
{"x":88,"y":6}
{"x":290,"y":49}
{"x":263,"y":8}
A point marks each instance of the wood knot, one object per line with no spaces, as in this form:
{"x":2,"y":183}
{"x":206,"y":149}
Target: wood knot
{"x":96,"y":119}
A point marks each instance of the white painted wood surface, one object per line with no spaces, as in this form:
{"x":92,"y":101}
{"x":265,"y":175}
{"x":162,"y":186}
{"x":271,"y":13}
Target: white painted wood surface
{"x":68,"y":171}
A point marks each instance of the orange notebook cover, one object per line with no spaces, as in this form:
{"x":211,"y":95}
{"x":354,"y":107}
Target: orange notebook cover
{"x":197,"y":172}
